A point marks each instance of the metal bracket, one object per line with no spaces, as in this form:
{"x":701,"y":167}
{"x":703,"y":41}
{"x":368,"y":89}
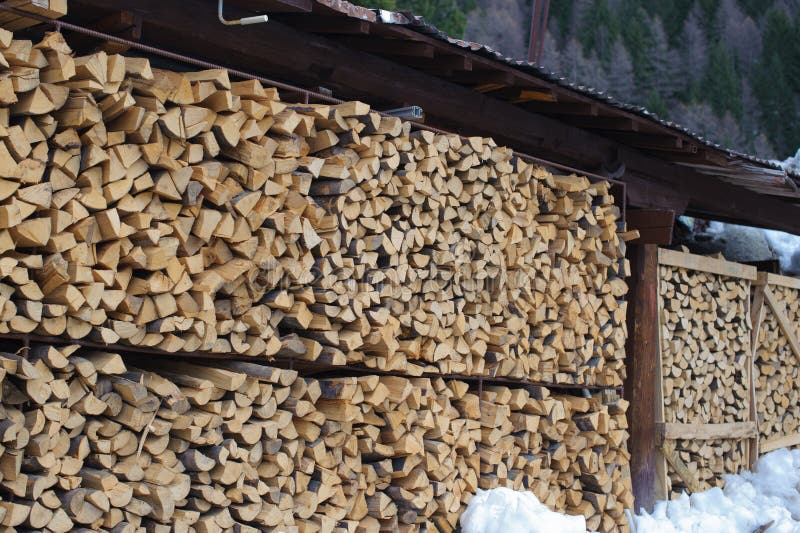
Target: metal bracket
{"x":243,"y":21}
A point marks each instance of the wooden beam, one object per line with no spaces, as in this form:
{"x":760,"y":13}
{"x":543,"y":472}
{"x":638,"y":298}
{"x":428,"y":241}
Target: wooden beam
{"x":393,"y":47}
{"x":274,"y":6}
{"x":601,"y":122}
{"x":648,"y":140}
{"x":779,"y":312}
{"x":487,"y":78}
{"x":765,"y":278}
{"x":124,"y":24}
{"x":730,"y":430}
{"x":655,"y":226}
{"x":562,"y":108}
{"x":775,"y":443}
{"x":329,"y":25}
{"x":518,"y":95}
{"x":706,"y":264}
{"x":440,"y":63}
{"x":643,"y":361}
{"x":680,"y":468}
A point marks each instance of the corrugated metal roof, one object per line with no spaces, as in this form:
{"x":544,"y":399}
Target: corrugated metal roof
{"x":744,"y":169}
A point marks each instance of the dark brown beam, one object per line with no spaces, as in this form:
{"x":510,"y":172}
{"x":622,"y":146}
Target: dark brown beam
{"x":642,"y":356}
{"x":392,"y":47}
{"x":124,"y":24}
{"x":655,"y":226}
{"x":562,"y":108}
{"x":601,"y":122}
{"x":326,"y":25}
{"x":519,"y":95}
{"x":649,"y":140}
{"x":274,"y":6}
{"x":440,"y":63}
{"x":648,"y":193}
{"x":484,"y":77}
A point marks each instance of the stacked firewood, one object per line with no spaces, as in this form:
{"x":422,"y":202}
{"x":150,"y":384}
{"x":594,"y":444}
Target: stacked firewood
{"x":188,"y":212}
{"x":90,"y":442}
{"x":570,"y":451}
{"x":705,"y":349}
{"x":707,"y":461}
{"x":777,"y":367}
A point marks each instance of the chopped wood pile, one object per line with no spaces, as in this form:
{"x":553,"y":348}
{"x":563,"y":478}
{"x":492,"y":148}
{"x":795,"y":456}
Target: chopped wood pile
{"x":777,"y":361}
{"x":705,"y":367}
{"x":188,"y":212}
{"x":92,"y":442}
{"x":52,"y":9}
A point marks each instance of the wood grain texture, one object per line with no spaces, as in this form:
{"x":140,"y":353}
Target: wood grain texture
{"x":190,"y":213}
{"x":91,"y":441}
{"x":706,"y":264}
{"x":706,"y":356}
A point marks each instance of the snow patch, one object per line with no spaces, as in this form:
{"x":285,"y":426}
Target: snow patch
{"x":770,"y":494}
{"x":503,"y":510}
{"x":787,"y":247}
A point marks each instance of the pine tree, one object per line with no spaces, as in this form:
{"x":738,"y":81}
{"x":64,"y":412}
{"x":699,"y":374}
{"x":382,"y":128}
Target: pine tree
{"x":621,"y":82}
{"x":778,"y":110}
{"x":722,"y":85}
{"x":496,"y":25}
{"x":599,"y":29}
{"x":694,"y":51}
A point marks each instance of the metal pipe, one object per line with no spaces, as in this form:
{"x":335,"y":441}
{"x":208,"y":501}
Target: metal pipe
{"x":542,"y":31}
{"x":243,"y":21}
{"x":536,"y":13}
{"x":308,"y":94}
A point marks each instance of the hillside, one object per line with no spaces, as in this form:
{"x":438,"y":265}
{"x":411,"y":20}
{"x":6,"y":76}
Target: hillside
{"x":727,"y":69}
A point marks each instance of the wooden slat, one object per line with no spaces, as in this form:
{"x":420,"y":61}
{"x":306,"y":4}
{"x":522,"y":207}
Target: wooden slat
{"x":756,"y":319}
{"x":655,"y":225}
{"x":730,"y":430}
{"x":668,"y":449}
{"x":775,"y":443}
{"x":706,"y":264}
{"x":643,"y":363}
{"x":783,"y":322}
{"x":777,"y":279}
{"x":662,"y":486}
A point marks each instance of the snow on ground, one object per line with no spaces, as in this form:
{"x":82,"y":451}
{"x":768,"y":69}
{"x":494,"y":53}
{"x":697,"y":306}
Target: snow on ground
{"x":769,"y":494}
{"x":503,"y":510}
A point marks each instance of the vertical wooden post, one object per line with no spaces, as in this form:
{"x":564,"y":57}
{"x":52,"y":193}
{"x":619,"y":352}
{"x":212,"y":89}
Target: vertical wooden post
{"x":643,"y":360}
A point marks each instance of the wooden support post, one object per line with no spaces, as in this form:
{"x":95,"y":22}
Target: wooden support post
{"x":643,"y":363}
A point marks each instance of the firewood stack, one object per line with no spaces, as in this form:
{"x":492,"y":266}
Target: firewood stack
{"x":705,"y":346}
{"x":570,"y":451}
{"x":777,"y":367}
{"x":187,"y":212}
{"x":92,"y":442}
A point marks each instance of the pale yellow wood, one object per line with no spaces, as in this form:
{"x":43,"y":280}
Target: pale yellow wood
{"x":768,"y":278}
{"x":706,"y":264}
{"x":728,"y":430}
{"x":786,"y":441}
{"x":786,"y":327}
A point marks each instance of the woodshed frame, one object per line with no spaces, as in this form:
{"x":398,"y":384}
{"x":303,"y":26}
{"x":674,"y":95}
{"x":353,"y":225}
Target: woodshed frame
{"x":667,"y":433}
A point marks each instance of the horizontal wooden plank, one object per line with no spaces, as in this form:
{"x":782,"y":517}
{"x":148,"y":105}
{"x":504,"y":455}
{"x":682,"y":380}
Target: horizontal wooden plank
{"x":767,"y":278}
{"x":730,"y":430}
{"x":706,"y":264}
{"x":779,"y":442}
